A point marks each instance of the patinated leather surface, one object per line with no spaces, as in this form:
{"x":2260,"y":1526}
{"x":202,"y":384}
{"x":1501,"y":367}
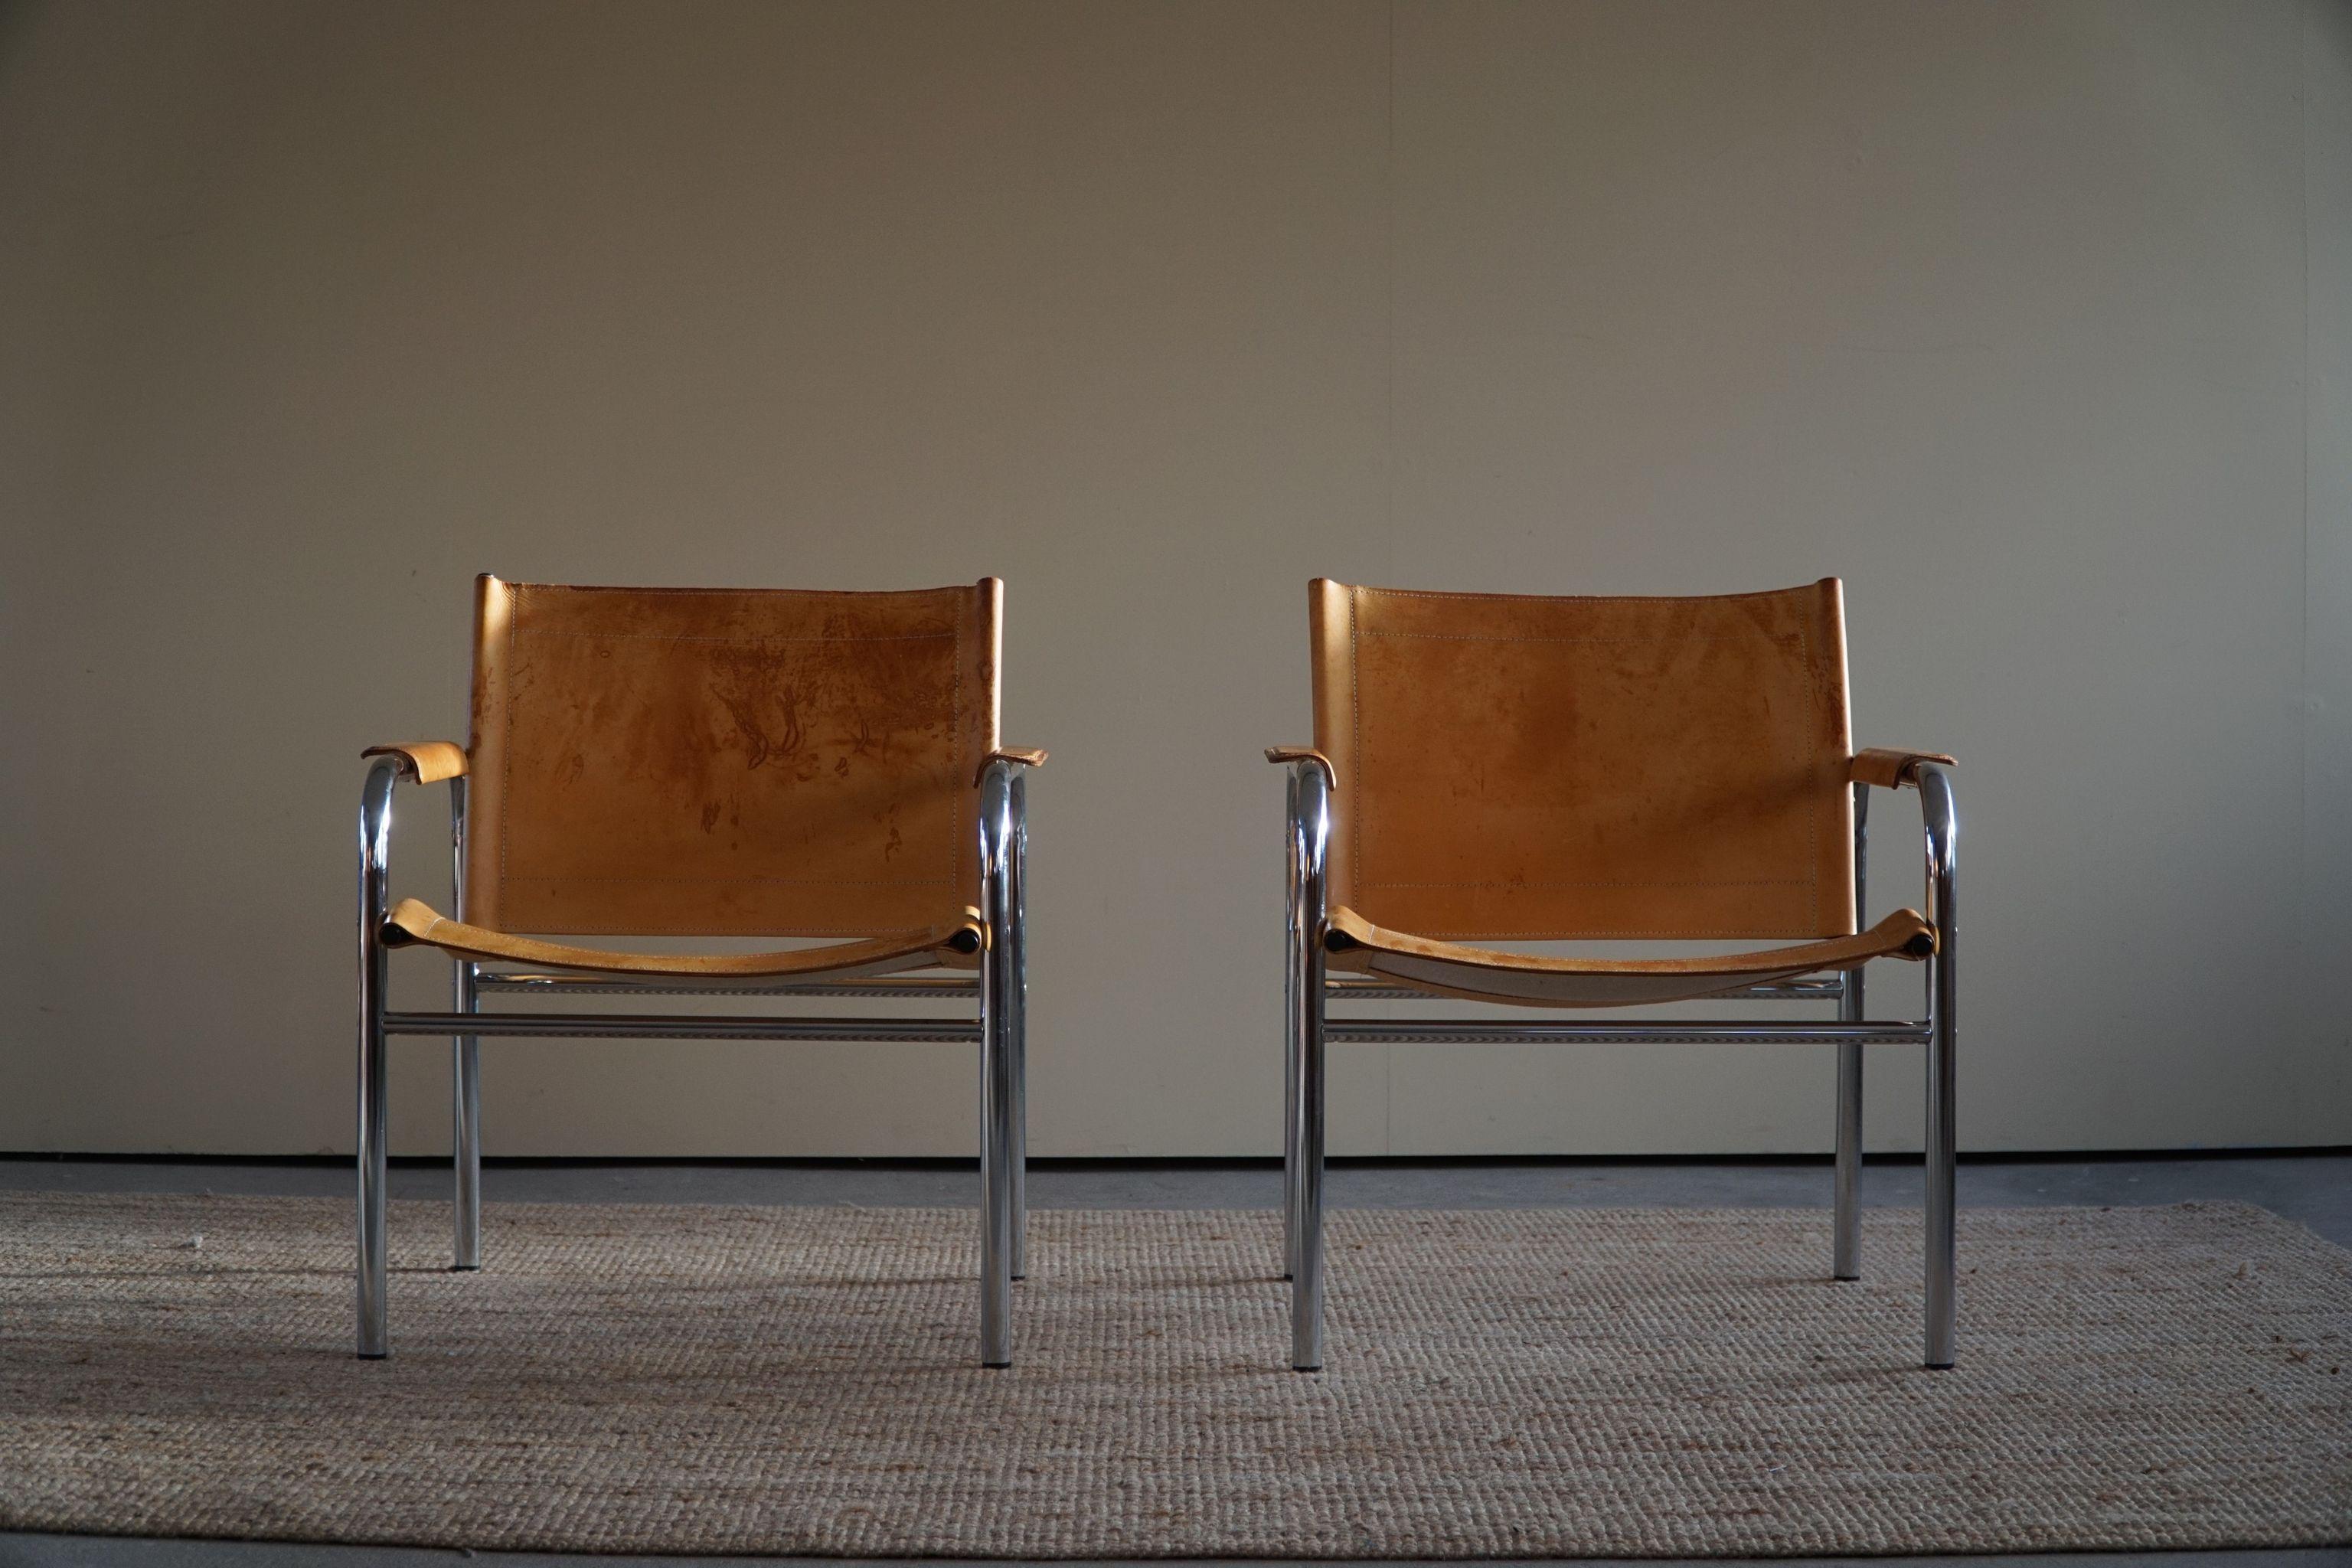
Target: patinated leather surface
{"x":425,"y":762}
{"x":1888,"y":769}
{"x":727,"y":761}
{"x":954,"y":944}
{"x":1512,"y":766}
{"x":1357,"y":946}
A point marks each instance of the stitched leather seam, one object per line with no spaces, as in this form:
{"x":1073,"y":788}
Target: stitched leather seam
{"x":785,"y":881}
{"x":741,"y":593}
{"x":713,"y":930}
{"x":963,"y":841}
{"x":1719,"y":933}
{"x":1812,"y":796}
{"x":1467,"y":637}
{"x":1581,"y":598}
{"x":1391,"y":962}
{"x":1358,"y":810}
{"x":1633,"y":882}
{"x":506,"y":740}
{"x":748,"y":637}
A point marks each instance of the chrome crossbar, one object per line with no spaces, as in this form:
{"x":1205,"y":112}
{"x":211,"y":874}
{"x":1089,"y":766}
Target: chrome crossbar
{"x":608,"y":985}
{"x":670,"y":1026}
{"x":1802,"y":990}
{"x":1479,"y":1031}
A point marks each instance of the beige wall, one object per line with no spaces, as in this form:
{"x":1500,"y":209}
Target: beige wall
{"x":2029,"y":320}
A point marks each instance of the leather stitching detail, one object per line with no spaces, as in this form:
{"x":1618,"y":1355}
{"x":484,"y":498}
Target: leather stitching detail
{"x":1631,"y":883}
{"x":1812,"y":796}
{"x":1358,"y":810}
{"x":756,"y":637}
{"x":1610,"y":642}
{"x":779,"y":881}
{"x":1570,"y":598}
{"x":1727,"y":933}
{"x":506,"y":742}
{"x":964,"y":841}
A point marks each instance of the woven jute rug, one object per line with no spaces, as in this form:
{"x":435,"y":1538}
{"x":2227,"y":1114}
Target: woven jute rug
{"x":1530,"y":1383}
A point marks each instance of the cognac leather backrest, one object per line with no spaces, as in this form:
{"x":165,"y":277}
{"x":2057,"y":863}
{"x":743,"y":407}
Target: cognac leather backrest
{"x":770,"y":762}
{"x":1548,"y":768}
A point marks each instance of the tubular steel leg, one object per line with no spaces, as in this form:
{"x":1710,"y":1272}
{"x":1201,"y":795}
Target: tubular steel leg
{"x":1291,"y":959}
{"x":1847,"y":1261}
{"x":995,"y":1191}
{"x":465,"y":1066}
{"x":1846,"y":1247}
{"x":375,"y":821}
{"x":1942,"y":1197}
{"x":372,"y":1270}
{"x":1017,"y":1034}
{"x":996,"y":1015}
{"x":466,"y":1126}
{"x":1016,"y":1175}
{"x":1943,"y":994}
{"x":1306,"y":1269}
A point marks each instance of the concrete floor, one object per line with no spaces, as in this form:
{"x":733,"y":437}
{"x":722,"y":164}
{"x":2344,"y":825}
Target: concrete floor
{"x":2315,"y":1189}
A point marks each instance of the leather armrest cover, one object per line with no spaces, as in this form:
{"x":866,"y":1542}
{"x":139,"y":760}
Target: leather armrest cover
{"x":1026,"y":756}
{"x":427,"y":762}
{"x":1289,"y":755}
{"x":1891,"y":769}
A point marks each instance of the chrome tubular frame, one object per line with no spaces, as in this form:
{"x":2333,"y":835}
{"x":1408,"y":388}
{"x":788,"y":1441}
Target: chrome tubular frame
{"x":1000,"y":1030}
{"x":1830,"y":988}
{"x":1001,"y":988}
{"x":1943,"y":843}
{"x":375,"y":838}
{"x":464,"y":1063}
{"x":1016,"y":938}
{"x":899,"y":985}
{"x":1307,"y":1029}
{"x":1302,"y":1164}
{"x":664,"y":1026}
{"x":1846,"y":1244}
{"x":1292,"y":958}
{"x":1486,"y":1032}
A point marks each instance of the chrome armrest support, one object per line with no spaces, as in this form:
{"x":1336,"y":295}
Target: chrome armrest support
{"x":387,"y":770}
{"x":1307,"y":799}
{"x":1003,"y":835}
{"x":375,"y":848}
{"x":1941,"y":816}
